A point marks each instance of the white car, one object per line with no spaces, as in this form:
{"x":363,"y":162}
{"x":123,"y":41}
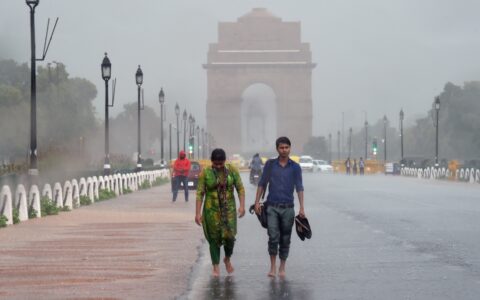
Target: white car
{"x":323,"y":166}
{"x":306,"y":163}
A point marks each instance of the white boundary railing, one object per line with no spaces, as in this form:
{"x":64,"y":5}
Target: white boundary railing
{"x":69,"y":194}
{"x":465,"y":174}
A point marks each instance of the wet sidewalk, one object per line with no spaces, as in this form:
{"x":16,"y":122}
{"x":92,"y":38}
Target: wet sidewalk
{"x":136,"y":246}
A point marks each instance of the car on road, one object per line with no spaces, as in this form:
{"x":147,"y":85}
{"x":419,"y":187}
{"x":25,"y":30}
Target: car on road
{"x":322,"y":166}
{"x":306,"y":163}
{"x":392,"y":168}
{"x":195,"y":169}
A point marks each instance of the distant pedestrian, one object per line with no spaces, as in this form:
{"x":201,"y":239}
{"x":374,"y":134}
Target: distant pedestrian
{"x":354,"y":167}
{"x":361,"y":165}
{"x":347,"y":166}
{"x":215,"y":190}
{"x":283,"y":175}
{"x":181,"y":168}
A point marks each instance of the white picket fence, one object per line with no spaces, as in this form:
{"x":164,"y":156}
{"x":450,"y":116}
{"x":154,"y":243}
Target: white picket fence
{"x":69,"y":193}
{"x":465,"y":175}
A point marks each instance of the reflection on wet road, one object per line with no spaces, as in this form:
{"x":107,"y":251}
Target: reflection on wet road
{"x":374,"y":237}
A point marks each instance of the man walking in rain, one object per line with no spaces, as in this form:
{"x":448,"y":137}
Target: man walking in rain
{"x":181,"y":167}
{"x":283,"y":175}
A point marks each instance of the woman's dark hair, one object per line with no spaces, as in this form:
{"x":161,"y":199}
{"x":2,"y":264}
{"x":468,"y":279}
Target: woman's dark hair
{"x":218,"y":155}
{"x":282,"y":140}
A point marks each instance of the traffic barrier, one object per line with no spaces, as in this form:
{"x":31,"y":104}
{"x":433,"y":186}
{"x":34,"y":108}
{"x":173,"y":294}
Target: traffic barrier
{"x":21,"y":202}
{"x":90,"y":189}
{"x":58,"y":194}
{"x":34,"y":200}
{"x":75,"y":194}
{"x":47,"y":191}
{"x":6,"y":204}
{"x":101,"y":183}
{"x":96,"y":186}
{"x":82,"y":186}
{"x":67,"y":195}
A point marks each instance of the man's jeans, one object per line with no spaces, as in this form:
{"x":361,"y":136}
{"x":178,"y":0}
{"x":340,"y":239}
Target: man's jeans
{"x":177,"y":180}
{"x":280,"y":224}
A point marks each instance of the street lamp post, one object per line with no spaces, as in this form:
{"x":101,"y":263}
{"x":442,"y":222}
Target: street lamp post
{"x":185,"y":130}
{"x":338,"y":145}
{"x":33,"y":92}
{"x":170,"y":141}
{"x":437,"y":110}
{"x":161,"y":99}
{"x":203,"y":143}
{"x":385,"y":138}
{"x":329,"y":148}
{"x":350,"y":142}
{"x":366,"y":139}
{"x":177,"y":113}
{"x":106,"y":67}
{"x":139,"y":81}
{"x":402,"y":115}
{"x":198,"y":141}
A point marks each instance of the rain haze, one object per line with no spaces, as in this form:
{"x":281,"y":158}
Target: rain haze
{"x":373,"y":57}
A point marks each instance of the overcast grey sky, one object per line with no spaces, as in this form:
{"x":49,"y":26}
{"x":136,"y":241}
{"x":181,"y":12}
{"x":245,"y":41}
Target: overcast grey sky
{"x":372,"y":55}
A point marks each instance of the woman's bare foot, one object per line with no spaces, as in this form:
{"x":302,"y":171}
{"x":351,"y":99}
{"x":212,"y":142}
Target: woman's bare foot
{"x":216,"y":271}
{"x":281,"y":272}
{"x":228,"y":265}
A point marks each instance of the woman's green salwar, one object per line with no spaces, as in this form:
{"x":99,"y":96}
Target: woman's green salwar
{"x":219,"y":219}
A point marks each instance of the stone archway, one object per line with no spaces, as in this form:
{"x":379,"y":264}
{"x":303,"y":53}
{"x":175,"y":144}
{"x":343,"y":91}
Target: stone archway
{"x":259,"y":48}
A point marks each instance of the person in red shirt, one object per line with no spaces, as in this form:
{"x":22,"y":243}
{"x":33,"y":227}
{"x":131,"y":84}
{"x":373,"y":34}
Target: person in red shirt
{"x":181,"y":167}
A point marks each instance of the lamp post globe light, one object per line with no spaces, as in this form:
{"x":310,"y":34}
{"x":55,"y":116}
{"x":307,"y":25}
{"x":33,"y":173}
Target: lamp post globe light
{"x":177,"y":113}
{"x":385,"y":138}
{"x":437,"y":110}
{"x":402,"y":116}
{"x":161,"y":99}
{"x":139,"y":81}
{"x":106,"y":67}
{"x":33,"y":171}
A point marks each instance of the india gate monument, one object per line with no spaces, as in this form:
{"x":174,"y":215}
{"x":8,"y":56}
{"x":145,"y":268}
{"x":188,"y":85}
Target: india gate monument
{"x":259,"y":84}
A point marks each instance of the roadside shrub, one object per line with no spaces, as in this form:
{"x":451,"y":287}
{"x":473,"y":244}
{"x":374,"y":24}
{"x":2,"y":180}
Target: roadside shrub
{"x":84,"y":200}
{"x":105,"y":195}
{"x":160,"y":181}
{"x":32,"y":213}
{"x":145,"y":185}
{"x":3,"y":221}
{"x":15,"y":216}
{"x":48,"y":207}
{"x":65,"y":208}
{"x":127,"y":191}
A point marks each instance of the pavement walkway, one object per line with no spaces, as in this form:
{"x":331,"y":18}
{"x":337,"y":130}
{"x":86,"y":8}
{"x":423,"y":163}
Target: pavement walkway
{"x":136,"y":246}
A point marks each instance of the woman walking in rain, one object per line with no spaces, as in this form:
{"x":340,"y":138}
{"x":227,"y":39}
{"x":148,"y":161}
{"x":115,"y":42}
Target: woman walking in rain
{"x":216,"y":185}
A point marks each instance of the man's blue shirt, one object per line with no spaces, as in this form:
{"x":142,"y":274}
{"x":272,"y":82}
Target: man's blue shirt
{"x":282,"y":180}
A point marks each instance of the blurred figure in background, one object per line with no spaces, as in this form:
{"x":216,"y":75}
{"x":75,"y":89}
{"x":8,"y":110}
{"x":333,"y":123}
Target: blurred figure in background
{"x":181,"y":167}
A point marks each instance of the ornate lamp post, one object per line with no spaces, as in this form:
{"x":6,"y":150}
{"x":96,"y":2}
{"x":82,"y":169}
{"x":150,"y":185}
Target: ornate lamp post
{"x":177,"y":113}
{"x":161,"y":99}
{"x":385,"y":138}
{"x":106,"y":75}
{"x":402,"y":115}
{"x":437,"y":110}
{"x":185,"y":130}
{"x":139,"y":81}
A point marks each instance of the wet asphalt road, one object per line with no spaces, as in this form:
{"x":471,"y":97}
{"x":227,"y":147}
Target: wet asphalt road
{"x":374,"y":237}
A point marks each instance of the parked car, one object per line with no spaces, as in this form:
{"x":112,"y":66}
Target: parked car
{"x":322,"y":166}
{"x":392,"y":168}
{"x":195,"y":169}
{"x":306,"y":163}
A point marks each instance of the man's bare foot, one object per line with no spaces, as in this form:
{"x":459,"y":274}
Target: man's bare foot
{"x":281,"y":272}
{"x":228,"y":265}
{"x":272,"y":273}
{"x":216,"y":271}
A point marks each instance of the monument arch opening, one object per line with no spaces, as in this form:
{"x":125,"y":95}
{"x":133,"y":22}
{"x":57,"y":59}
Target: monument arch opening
{"x":259,"y":123}
{"x":259,"y":48}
